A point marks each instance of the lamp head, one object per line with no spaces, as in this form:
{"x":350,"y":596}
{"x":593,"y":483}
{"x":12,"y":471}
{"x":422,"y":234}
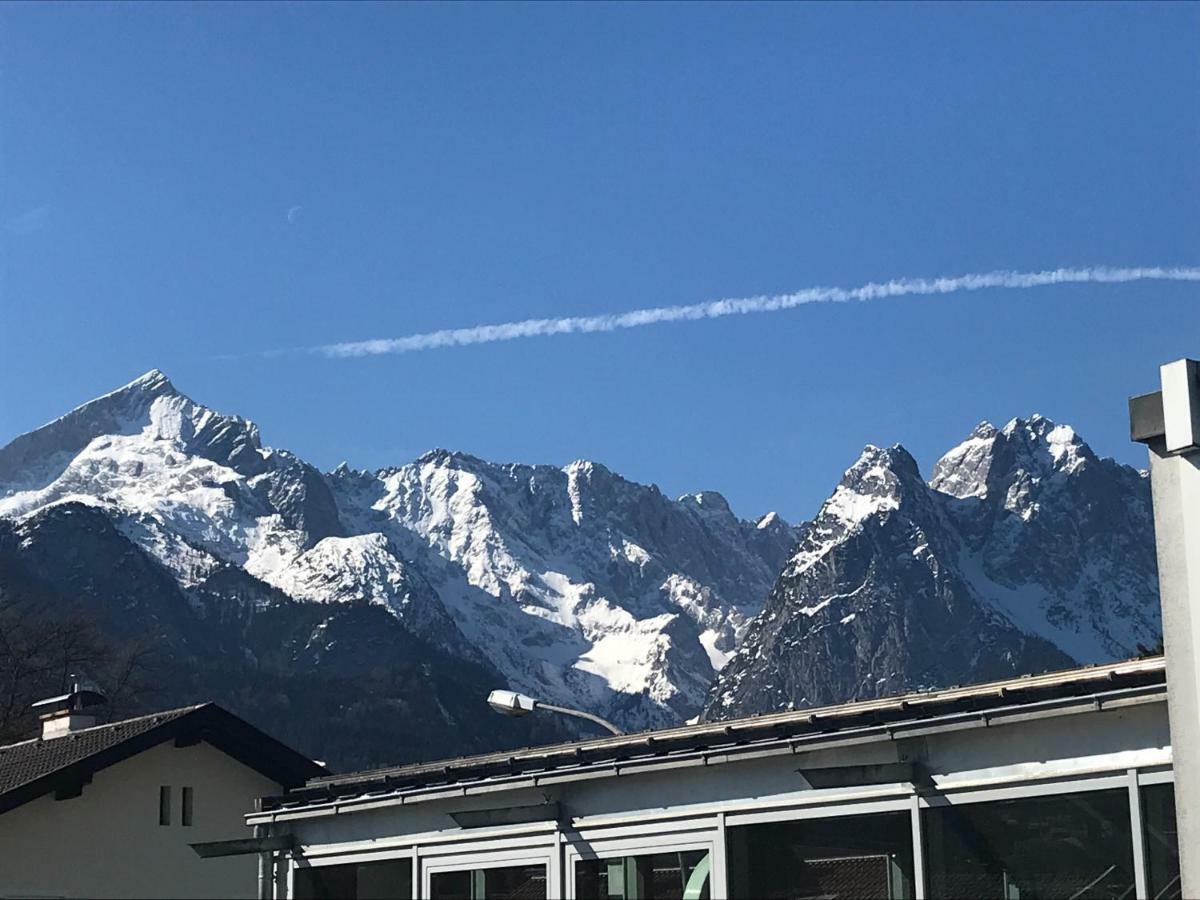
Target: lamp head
{"x":510,"y":703}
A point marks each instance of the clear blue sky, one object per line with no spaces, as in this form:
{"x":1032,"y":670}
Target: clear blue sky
{"x":463,"y":164}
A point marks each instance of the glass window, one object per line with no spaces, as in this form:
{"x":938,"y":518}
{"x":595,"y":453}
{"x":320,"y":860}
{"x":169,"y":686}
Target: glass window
{"x":675,"y":875}
{"x":185,"y":806}
{"x":1067,"y":845}
{"x":164,"y":805}
{"x":502,"y":883}
{"x":1161,"y":840}
{"x":389,"y":879}
{"x":836,"y":858}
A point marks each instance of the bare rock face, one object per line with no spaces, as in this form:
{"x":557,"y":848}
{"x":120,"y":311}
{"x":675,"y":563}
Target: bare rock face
{"x":1025,"y":552}
{"x":343,"y":682}
{"x":571,"y":583}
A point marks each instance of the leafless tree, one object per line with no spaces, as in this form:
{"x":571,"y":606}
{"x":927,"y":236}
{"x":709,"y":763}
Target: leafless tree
{"x":41,"y":650}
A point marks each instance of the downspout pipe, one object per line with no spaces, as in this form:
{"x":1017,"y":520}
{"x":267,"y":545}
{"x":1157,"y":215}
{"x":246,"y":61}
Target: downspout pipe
{"x":266,"y":868}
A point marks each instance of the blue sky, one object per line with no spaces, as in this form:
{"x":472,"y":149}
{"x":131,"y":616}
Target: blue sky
{"x":464,"y":164}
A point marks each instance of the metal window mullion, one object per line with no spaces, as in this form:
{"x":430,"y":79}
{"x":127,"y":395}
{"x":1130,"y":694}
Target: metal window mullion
{"x":1139,"y":844}
{"x":554,"y":873}
{"x":719,"y":872}
{"x":918,"y":848}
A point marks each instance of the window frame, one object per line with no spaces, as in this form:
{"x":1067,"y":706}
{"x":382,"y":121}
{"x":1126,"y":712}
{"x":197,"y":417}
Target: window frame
{"x":300,"y":861}
{"x":665,"y":842}
{"x":497,"y":859}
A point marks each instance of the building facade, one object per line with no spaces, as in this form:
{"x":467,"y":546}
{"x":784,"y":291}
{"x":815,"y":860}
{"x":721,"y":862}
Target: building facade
{"x":1048,"y":786}
{"x":112,"y":810}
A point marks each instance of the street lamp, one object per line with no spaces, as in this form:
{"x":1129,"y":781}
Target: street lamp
{"x":510,"y":703}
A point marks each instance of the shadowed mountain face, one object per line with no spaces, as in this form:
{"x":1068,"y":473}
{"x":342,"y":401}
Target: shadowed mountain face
{"x":1025,"y":552}
{"x":570,"y":583}
{"x":342,"y":682}
{"x":403,"y":595}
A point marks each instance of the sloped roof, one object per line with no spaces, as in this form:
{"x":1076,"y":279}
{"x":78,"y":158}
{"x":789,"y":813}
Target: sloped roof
{"x":64,"y":764}
{"x":1086,"y":688}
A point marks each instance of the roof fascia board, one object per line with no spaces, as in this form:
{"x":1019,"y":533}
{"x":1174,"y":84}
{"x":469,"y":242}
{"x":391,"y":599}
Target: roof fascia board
{"x":209,"y":723}
{"x":723,"y":731}
{"x":81,"y":771}
{"x":780,"y":746}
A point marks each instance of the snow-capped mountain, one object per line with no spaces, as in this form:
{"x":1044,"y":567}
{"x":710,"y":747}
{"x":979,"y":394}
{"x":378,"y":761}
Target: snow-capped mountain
{"x":1025,"y":552}
{"x":345,"y":682}
{"x":575,"y":584}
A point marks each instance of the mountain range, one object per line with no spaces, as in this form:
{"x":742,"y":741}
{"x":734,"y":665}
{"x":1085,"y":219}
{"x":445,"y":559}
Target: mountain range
{"x":337,"y":608}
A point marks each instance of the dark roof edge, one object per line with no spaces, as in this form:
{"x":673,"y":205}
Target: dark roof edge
{"x":205,"y":722}
{"x":927,"y":704}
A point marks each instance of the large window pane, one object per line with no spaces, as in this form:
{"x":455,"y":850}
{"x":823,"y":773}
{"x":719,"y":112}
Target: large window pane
{"x":674,"y":875}
{"x":1161,"y":840}
{"x":837,"y":858}
{"x":385,"y":880}
{"x":503,"y":883}
{"x":1075,"y":846}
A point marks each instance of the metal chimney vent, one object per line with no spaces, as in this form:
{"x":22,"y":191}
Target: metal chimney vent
{"x":68,"y":712}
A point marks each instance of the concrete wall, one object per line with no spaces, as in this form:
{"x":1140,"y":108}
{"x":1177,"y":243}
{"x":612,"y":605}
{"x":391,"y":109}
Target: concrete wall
{"x":108,"y":843}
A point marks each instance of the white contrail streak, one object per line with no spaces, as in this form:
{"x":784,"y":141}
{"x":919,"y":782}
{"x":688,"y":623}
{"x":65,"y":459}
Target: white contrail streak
{"x":715,"y":309}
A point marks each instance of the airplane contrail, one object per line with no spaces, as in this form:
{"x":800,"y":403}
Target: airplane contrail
{"x":715,"y":309}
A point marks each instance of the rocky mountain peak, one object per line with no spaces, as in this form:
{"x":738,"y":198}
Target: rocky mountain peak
{"x":879,"y":481}
{"x":985,"y":430}
{"x":154,"y":381}
{"x":440,"y":456}
{"x":990,"y":461}
{"x":1042,"y":445}
{"x":772,"y":522}
{"x":874,"y":461}
{"x":1025,"y":552}
{"x":707,"y":502}
{"x":32,"y":459}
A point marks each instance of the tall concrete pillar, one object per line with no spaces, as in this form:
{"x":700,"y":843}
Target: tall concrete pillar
{"x":1168,"y":422}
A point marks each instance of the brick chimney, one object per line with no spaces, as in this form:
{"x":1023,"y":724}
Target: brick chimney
{"x":70,"y":712}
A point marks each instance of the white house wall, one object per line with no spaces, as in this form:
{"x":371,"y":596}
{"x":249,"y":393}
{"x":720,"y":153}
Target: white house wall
{"x":108,"y":843}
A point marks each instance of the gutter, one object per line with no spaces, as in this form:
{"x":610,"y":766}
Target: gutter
{"x":764,"y":748}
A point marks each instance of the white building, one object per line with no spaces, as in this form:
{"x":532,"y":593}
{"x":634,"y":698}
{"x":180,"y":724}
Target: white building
{"x":111,"y":810}
{"x":1049,"y":786}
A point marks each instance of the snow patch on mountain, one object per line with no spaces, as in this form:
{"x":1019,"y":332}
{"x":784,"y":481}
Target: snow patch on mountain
{"x":573,"y":582}
{"x":1024,"y":551}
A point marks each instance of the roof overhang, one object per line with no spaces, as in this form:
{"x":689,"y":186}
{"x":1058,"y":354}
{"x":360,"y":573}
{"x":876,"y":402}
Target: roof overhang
{"x":207,"y":723}
{"x":1002,"y":703}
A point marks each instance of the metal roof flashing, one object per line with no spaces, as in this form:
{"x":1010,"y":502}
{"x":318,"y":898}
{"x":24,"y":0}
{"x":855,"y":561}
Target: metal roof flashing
{"x":1028,"y":697}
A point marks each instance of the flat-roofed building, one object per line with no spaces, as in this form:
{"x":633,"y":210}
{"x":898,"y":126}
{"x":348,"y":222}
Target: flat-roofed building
{"x":1056,"y":785}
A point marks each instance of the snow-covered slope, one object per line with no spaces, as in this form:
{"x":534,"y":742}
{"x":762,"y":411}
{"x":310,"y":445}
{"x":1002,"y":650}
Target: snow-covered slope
{"x":1024,"y":552}
{"x":576,"y":584}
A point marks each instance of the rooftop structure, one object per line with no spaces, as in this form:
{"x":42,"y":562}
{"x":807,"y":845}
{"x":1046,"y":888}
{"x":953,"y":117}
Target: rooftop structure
{"x":890,"y":718}
{"x":113,"y":810}
{"x":967,"y":791}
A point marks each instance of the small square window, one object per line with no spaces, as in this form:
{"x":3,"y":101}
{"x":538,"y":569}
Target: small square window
{"x":186,"y":806}
{"x":164,"y":805}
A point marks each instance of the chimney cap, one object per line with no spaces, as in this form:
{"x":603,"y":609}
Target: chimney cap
{"x":84,"y":693}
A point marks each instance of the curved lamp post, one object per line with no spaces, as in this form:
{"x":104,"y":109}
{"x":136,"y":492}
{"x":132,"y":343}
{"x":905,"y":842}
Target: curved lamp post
{"x":510,"y":703}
